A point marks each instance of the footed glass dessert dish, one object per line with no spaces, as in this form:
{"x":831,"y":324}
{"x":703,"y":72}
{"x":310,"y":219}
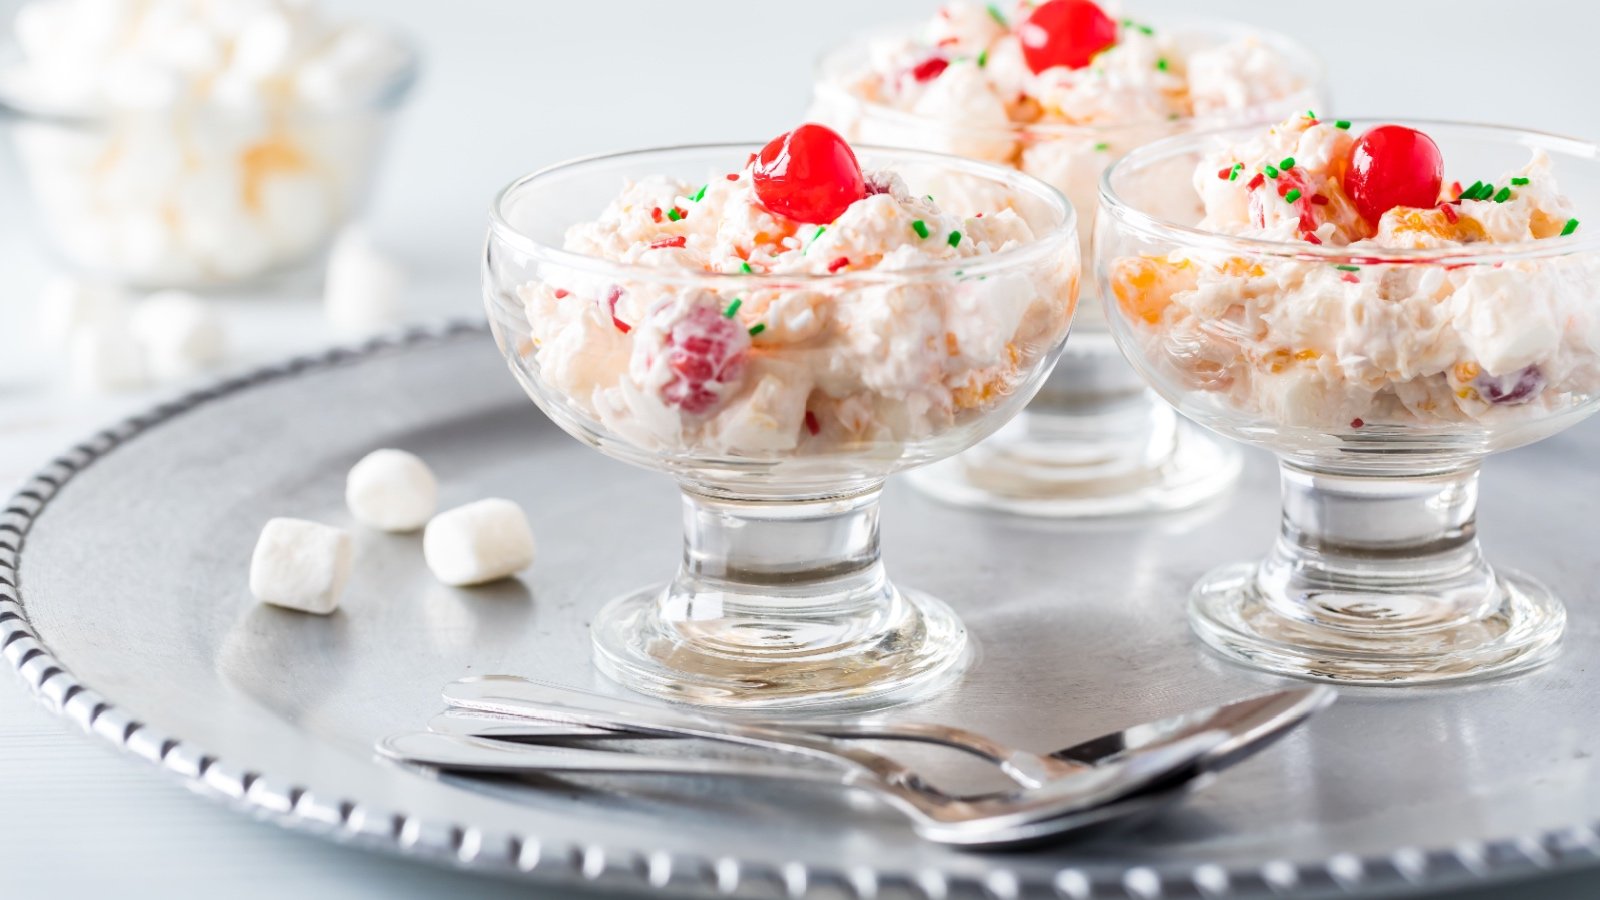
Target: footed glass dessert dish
{"x":1382,"y":326}
{"x":1060,"y":90}
{"x":779,"y":336}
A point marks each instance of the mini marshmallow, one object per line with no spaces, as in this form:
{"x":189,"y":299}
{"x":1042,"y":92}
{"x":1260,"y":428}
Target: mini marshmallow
{"x":68,"y":304}
{"x":103,"y":357}
{"x":300,"y":565}
{"x":479,"y":542}
{"x":179,"y":333}
{"x":392,"y":490}
{"x":362,"y":291}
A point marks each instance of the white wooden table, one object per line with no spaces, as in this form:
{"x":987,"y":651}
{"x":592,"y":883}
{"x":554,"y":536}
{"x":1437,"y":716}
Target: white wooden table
{"x":508,"y":87}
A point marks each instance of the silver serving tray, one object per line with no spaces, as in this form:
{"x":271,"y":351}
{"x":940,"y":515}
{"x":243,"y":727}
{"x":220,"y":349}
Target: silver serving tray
{"x":123,"y":603}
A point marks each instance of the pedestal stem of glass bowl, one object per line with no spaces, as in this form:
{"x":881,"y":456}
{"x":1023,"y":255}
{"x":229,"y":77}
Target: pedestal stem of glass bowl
{"x":779,"y":603}
{"x":797,"y":559}
{"x":1347,"y":541}
{"x":1378,"y":579}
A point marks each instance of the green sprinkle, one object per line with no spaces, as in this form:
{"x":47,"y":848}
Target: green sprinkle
{"x":1142,"y":29}
{"x":673,"y":214}
{"x":1503,"y":195}
{"x":819,"y":231}
{"x":1272,"y":172}
{"x":1348,"y":268}
{"x":1102,"y":147}
{"x":733,"y":308}
{"x":1293,"y":195}
{"x":1519,"y":181}
{"x":1342,"y":124}
{"x":745,"y":268}
{"x":929,"y":196}
{"x":983,"y":57}
{"x":1487,"y":192}
{"x":1287,"y":164}
{"x":1311,"y":114}
{"x":1161,"y":64}
{"x":955,"y":238}
{"x":1471,"y":193}
{"x":920,"y":227}
{"x":1570,"y":227}
{"x":757,"y":328}
{"x":998,"y":16}
{"x":1233,"y":174}
{"x":700,"y":194}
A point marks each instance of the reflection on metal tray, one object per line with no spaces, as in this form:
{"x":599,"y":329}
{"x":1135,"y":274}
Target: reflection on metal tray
{"x":123,"y":602}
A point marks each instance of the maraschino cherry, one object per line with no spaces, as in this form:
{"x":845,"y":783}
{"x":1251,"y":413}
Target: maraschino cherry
{"x":809,"y":174}
{"x":1392,"y":165}
{"x":1065,"y":33}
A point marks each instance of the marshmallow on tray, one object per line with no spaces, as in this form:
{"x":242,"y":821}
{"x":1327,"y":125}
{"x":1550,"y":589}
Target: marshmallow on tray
{"x":479,"y":542}
{"x":391,"y":490}
{"x":362,"y":290}
{"x":180,"y":334}
{"x":300,"y":565}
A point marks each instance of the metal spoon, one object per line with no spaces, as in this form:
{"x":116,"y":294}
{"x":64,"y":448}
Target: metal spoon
{"x":1252,"y":724}
{"x":987,"y":820}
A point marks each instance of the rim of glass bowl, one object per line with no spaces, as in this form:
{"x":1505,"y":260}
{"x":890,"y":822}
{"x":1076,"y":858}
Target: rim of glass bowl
{"x":1041,"y":246}
{"x":1191,"y":236}
{"x":1313,"y":76}
{"x":389,"y":97}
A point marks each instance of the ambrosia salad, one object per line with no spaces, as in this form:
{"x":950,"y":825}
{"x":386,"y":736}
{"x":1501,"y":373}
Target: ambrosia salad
{"x":1057,"y":89}
{"x":847,"y":322}
{"x":1305,"y":343}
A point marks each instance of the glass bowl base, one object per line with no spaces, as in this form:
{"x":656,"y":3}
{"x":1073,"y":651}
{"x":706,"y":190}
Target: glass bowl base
{"x":888,"y":653}
{"x":1070,"y":477}
{"x":1389,"y":637}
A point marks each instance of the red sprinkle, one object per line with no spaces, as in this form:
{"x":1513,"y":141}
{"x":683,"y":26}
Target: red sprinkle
{"x":733,"y":176}
{"x":838,"y":264}
{"x":612,"y":296}
{"x":811,"y":422}
{"x":1449,"y":213}
{"x":669,"y":242}
{"x":1224,"y":173}
{"x":1257,"y":181}
{"x":930,"y":68}
{"x":1350,"y":278}
{"x":562,"y":293}
{"x":1311,"y":236}
{"x":655,"y":214}
{"x":1319,"y":199}
{"x":1356,"y":423}
{"x":1283,"y":188}
{"x":682,"y":213}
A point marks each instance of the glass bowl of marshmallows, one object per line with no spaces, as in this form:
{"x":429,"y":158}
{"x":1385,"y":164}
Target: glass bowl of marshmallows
{"x":780,"y":328}
{"x":171,"y":143}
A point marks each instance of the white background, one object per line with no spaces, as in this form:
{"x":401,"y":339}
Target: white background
{"x":513,"y":85}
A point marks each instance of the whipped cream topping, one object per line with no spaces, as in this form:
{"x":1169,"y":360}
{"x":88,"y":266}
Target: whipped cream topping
{"x":228,"y":137}
{"x":824,"y":364}
{"x":1336,"y":347}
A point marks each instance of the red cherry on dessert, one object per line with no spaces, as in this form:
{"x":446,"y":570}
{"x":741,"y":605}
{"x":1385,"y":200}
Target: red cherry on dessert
{"x":1065,"y":33}
{"x":809,"y":174}
{"x":1392,"y":165}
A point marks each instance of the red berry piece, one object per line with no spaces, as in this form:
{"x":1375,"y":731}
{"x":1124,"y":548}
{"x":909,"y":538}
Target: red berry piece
{"x":1509,"y":390}
{"x":706,"y":353}
{"x":809,"y":174}
{"x":930,"y":68}
{"x":1065,"y":33}
{"x":1392,"y":165}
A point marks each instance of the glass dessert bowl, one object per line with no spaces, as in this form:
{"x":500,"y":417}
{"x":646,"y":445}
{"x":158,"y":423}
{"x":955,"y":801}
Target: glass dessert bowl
{"x":180,"y":144}
{"x":1095,"y":441}
{"x":1338,"y":299}
{"x":779,"y":365}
